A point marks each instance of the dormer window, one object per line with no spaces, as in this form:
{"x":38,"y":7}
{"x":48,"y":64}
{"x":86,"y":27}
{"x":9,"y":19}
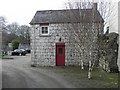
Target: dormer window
{"x":44,"y":30}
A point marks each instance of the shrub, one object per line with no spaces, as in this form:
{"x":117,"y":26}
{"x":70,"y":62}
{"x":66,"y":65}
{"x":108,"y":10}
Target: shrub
{"x":15,"y":44}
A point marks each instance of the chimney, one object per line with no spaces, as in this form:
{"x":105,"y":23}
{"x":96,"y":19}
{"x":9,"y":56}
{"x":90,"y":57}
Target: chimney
{"x":95,"y":6}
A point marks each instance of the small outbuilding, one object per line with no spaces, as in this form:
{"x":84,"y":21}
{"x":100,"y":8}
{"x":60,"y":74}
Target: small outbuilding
{"x":53,"y":43}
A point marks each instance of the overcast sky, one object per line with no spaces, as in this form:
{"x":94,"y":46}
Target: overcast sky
{"x":22,"y":11}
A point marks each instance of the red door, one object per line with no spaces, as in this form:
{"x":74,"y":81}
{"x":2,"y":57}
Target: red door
{"x":60,"y":54}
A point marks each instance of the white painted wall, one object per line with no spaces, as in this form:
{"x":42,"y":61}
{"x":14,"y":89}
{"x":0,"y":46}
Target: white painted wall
{"x":119,"y":34}
{"x":113,"y":19}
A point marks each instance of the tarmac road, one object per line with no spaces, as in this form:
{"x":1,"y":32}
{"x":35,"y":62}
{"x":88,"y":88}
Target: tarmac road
{"x":17,"y":73}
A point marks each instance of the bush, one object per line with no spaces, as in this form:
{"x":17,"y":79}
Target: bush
{"x":15,"y":44}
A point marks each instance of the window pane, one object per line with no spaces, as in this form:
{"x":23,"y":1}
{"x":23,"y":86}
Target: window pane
{"x":60,"y":51}
{"x":44,"y":30}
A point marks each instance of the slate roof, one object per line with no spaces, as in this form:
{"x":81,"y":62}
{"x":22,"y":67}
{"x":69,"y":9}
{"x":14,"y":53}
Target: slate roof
{"x":65,"y":16}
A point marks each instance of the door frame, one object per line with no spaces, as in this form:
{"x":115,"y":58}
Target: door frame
{"x":59,"y":44}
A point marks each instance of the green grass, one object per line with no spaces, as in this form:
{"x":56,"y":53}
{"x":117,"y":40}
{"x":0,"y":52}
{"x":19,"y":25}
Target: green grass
{"x":78,"y":77}
{"x":2,"y":55}
{"x":6,"y":57}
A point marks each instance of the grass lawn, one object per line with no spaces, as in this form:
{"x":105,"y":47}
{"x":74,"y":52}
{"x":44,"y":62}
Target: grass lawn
{"x":78,"y":77}
{"x":5,"y":57}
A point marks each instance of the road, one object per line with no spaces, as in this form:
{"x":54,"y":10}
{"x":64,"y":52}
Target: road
{"x":17,"y":73}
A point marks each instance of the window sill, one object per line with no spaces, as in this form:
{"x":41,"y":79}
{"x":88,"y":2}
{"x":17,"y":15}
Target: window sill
{"x":44,"y":35}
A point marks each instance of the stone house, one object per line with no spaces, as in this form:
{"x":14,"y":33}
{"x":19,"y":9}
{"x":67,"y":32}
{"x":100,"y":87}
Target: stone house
{"x":53,"y":43}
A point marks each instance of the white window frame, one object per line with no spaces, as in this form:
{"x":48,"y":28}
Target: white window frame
{"x":41,"y":29}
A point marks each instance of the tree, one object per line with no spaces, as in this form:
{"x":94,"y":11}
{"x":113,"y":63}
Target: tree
{"x":86,"y":32}
{"x":2,"y":31}
{"x":12,"y":32}
{"x":21,"y":31}
{"x":24,"y":34}
{"x":13,"y":28}
{"x":15,"y":44}
{"x":87,"y":35}
{"x":105,"y":11}
{"x":2,"y":22}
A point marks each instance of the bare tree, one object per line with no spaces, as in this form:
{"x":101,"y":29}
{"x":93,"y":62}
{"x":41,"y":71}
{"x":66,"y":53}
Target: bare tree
{"x":24,"y":32}
{"x":21,"y":31}
{"x":2,"y":22}
{"x":86,"y":32}
{"x":105,"y":9}
{"x":2,"y":30}
{"x":13,"y":28}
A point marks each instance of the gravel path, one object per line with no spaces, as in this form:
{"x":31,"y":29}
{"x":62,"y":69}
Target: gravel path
{"x":17,"y":73}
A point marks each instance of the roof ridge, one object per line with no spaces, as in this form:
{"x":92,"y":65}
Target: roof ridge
{"x":62,"y":10}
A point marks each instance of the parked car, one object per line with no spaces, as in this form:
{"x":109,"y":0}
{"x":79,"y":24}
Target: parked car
{"x":28,"y":50}
{"x":18,"y":52}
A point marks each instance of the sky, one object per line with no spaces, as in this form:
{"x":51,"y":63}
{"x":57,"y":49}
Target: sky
{"x":22,"y":11}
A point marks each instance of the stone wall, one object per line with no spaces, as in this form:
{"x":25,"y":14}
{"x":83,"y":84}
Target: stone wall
{"x":43,"y":47}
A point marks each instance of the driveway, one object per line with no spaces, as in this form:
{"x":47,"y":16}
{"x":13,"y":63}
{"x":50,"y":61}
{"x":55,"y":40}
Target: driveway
{"x":17,"y":73}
